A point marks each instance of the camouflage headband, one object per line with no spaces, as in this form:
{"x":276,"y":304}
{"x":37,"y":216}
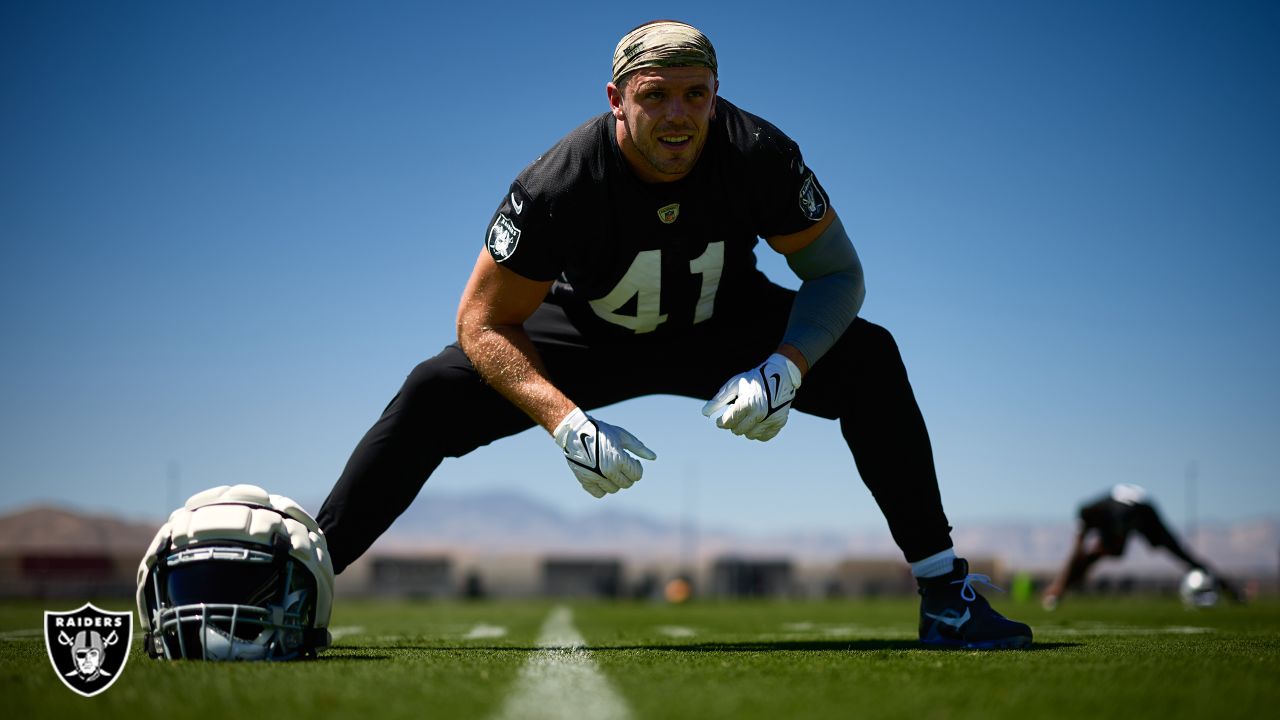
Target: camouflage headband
{"x":663,"y":43}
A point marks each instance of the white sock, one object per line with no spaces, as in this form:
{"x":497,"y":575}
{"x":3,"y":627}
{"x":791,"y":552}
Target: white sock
{"x":934,"y":565}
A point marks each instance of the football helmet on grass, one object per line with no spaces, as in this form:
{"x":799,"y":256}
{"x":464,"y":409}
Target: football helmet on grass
{"x":236,"y":574}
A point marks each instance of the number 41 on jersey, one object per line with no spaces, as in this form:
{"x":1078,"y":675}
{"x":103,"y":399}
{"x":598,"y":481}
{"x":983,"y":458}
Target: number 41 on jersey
{"x":643,"y":281}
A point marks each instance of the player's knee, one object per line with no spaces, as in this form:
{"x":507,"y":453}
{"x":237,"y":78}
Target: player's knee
{"x":870,"y":348}
{"x":878,"y":341}
{"x":431,"y":384}
{"x":438,"y":378}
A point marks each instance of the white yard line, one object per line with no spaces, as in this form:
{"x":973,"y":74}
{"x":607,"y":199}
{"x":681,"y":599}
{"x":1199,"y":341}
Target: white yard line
{"x":676,"y":631}
{"x":842,"y":630}
{"x":485,"y":631}
{"x":562,"y":680}
{"x":341,"y":631}
{"x":1101,"y":629}
{"x":28,"y":633}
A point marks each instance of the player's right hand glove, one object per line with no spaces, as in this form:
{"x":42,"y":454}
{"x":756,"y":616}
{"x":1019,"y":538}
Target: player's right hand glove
{"x":598,"y":453}
{"x":756,"y":403}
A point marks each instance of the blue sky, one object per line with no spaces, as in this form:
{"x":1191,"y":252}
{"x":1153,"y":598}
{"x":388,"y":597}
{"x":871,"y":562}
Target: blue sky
{"x":229,"y":229}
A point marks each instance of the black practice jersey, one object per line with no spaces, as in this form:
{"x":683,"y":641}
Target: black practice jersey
{"x":630,"y":257}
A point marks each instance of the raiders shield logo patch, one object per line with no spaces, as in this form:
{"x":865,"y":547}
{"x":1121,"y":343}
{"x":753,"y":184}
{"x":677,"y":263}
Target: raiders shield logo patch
{"x":668,"y":213}
{"x":88,"y":647}
{"x":503,"y":238}
{"x":812,"y":203}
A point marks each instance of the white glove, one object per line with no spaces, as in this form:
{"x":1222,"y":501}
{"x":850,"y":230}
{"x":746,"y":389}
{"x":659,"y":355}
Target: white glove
{"x":757,"y":400}
{"x":597,"y":453}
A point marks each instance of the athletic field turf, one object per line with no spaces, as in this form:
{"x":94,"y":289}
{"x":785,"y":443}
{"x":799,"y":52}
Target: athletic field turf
{"x":1093,"y":658}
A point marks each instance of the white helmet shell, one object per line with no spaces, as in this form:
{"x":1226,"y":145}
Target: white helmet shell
{"x":242,"y":515}
{"x":1199,"y":589}
{"x":1129,"y":494}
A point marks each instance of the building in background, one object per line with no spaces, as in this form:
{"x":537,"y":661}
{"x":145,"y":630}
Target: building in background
{"x":597,"y":578}
{"x":423,"y":577}
{"x":734,"y":577}
{"x":59,"y":554}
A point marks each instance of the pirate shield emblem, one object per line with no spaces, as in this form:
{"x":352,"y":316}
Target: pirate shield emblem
{"x":88,"y":647}
{"x":503,"y":238}
{"x":812,"y":203}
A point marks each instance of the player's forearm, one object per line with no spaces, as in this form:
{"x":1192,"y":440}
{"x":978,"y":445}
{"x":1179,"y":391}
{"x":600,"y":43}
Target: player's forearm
{"x":829,"y":298}
{"x":507,"y":360}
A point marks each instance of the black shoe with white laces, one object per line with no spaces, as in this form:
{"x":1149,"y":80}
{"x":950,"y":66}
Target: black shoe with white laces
{"x":952,"y":613}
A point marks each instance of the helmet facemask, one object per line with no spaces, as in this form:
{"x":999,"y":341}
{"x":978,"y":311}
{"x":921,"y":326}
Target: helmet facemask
{"x":232,"y":601}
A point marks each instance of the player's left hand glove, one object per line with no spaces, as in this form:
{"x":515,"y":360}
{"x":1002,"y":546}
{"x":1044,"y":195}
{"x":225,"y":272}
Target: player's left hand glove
{"x":757,"y":400}
{"x":599,"y":454}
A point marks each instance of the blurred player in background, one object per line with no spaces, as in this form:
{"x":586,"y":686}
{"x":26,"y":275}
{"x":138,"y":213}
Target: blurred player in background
{"x":1105,"y":525}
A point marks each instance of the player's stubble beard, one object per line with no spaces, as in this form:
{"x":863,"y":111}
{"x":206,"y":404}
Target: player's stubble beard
{"x":670,"y":166}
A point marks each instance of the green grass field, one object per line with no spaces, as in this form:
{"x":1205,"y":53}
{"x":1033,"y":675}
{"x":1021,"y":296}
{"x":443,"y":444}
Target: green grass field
{"x":857,"y":659}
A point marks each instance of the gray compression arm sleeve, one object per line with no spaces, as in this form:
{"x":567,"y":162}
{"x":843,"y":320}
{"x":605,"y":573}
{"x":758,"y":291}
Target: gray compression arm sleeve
{"x":830,"y":296}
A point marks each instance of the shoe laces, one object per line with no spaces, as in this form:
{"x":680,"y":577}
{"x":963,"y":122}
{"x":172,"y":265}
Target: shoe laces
{"x":967,"y":593}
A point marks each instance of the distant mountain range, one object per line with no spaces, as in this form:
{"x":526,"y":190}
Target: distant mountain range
{"x":499,"y":523}
{"x":510,"y":523}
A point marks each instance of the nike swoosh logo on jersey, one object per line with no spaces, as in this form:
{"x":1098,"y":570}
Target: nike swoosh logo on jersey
{"x":519,"y":206}
{"x":955,"y":622}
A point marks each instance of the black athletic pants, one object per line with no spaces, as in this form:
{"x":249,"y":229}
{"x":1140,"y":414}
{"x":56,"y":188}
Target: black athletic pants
{"x":861,"y":382}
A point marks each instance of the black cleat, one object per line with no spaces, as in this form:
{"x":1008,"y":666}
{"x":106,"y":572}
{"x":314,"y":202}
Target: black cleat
{"x":953,"y":614}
